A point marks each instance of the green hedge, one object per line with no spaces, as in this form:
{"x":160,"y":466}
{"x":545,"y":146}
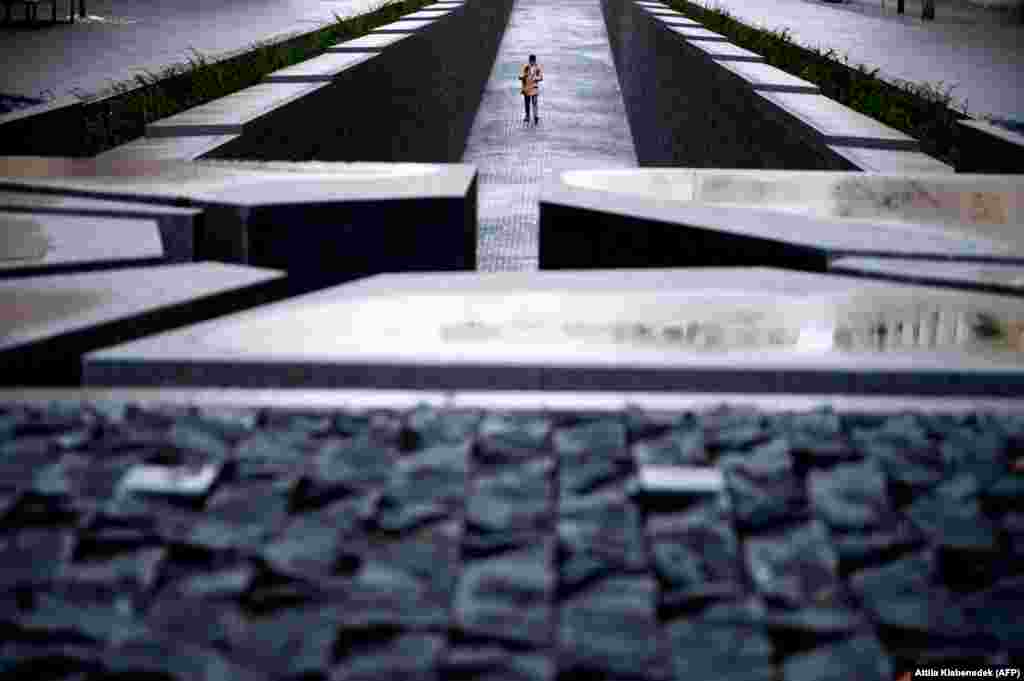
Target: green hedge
{"x":115,"y":120}
{"x":920,"y":110}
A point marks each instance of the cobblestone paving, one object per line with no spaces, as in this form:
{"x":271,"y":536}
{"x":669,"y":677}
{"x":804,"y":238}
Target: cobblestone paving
{"x":583,"y":122}
{"x":212,"y":544}
{"x":979,"y":51}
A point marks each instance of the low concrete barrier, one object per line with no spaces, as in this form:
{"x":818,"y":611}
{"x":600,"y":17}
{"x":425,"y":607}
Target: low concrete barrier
{"x":696,"y":100}
{"x":407,"y":91}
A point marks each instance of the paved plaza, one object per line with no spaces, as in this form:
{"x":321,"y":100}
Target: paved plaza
{"x":119,"y":39}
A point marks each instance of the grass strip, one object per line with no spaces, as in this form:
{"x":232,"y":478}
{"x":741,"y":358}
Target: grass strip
{"x":921,"y":110}
{"x":122,"y":117}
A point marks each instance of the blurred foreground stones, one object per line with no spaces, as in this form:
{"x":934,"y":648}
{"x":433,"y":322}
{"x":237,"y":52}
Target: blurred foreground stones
{"x":185,"y":543}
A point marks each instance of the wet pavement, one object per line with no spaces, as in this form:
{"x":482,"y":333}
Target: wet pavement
{"x":212,"y":543}
{"x":120,"y":39}
{"x":979,"y":51}
{"x":582,"y":123}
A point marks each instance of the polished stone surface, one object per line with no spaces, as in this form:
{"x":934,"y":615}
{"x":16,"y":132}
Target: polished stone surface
{"x":720,"y":51}
{"x":324,"y":68}
{"x":694,"y":33}
{"x":177,"y":226}
{"x":837,"y":124}
{"x":979,"y":274}
{"x":749,"y":329}
{"x":138,"y":542}
{"x":167,"y":148}
{"x":231,"y":114}
{"x":762,"y":76}
{"x":890,"y":161}
{"x":403,"y":26}
{"x":414,"y":216}
{"x":50,"y":321}
{"x":41,"y":241}
{"x":371,"y":42}
{"x":826,"y":214}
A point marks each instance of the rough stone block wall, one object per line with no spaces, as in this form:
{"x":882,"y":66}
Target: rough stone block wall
{"x":415,"y":102}
{"x":686,"y":110}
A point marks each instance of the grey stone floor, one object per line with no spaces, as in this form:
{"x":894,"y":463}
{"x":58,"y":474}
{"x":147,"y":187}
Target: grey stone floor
{"x":119,"y":39}
{"x":583,"y":122}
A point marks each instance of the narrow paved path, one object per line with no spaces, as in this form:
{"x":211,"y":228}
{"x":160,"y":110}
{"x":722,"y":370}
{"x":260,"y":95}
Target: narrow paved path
{"x":583,"y":122}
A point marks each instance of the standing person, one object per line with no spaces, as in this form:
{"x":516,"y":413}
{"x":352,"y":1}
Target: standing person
{"x":531,"y":76}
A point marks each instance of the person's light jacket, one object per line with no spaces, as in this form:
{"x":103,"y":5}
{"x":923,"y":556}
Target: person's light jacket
{"x":530,"y":77}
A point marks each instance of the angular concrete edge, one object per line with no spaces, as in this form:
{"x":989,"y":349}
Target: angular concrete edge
{"x":218,"y":352}
{"x":987,"y":148}
{"x":531,"y":401}
{"x":838,"y":125}
{"x":404,"y":26}
{"x":891,"y":160}
{"x":113,"y":305}
{"x":761,"y":76}
{"x":322,"y":69}
{"x":835,"y":130}
{"x":189,"y":148}
{"x":371,"y":42}
{"x":179,"y":227}
{"x":230,"y":115}
{"x":995,"y":277}
{"x":679,"y":217}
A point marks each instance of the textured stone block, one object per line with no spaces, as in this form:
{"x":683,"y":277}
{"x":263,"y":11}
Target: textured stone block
{"x":57,"y":318}
{"x":694,"y":330}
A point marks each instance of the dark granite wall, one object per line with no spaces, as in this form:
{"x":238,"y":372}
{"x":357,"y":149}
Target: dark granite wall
{"x":982,"y":152}
{"x":685,"y":110}
{"x":415,"y":102}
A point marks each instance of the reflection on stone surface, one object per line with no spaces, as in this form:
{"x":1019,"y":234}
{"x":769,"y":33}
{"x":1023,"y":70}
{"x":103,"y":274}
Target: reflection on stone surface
{"x":506,"y":546}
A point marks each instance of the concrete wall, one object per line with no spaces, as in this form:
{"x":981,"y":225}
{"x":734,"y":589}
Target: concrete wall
{"x":414,"y":102}
{"x":987,"y":148}
{"x":694,"y":109}
{"x":685,"y":110}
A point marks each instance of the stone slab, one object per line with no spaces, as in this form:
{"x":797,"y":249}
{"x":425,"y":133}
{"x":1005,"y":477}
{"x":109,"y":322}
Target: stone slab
{"x":356,"y":218}
{"x":798,"y":219}
{"x":720,"y":51}
{"x":694,"y":33}
{"x":55,"y":319}
{"x":980,"y":274}
{"x":324,"y":68}
{"x":671,"y":20}
{"x":32,"y":242}
{"x":750,"y":329}
{"x":167,"y":148}
{"x":836,"y":124}
{"x":892,"y":161}
{"x":404,"y":26}
{"x":177,"y":226}
{"x":371,"y":42}
{"x":428,"y":13}
{"x":231,"y":114}
{"x":761,"y":76}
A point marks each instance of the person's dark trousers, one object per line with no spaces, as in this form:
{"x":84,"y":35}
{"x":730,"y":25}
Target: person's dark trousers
{"x":528,"y":101}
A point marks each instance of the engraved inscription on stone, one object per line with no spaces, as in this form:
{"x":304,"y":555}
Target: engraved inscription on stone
{"x":22,"y":238}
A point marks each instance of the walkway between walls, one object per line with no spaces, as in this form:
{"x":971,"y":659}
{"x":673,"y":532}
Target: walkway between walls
{"x":582,"y":123}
